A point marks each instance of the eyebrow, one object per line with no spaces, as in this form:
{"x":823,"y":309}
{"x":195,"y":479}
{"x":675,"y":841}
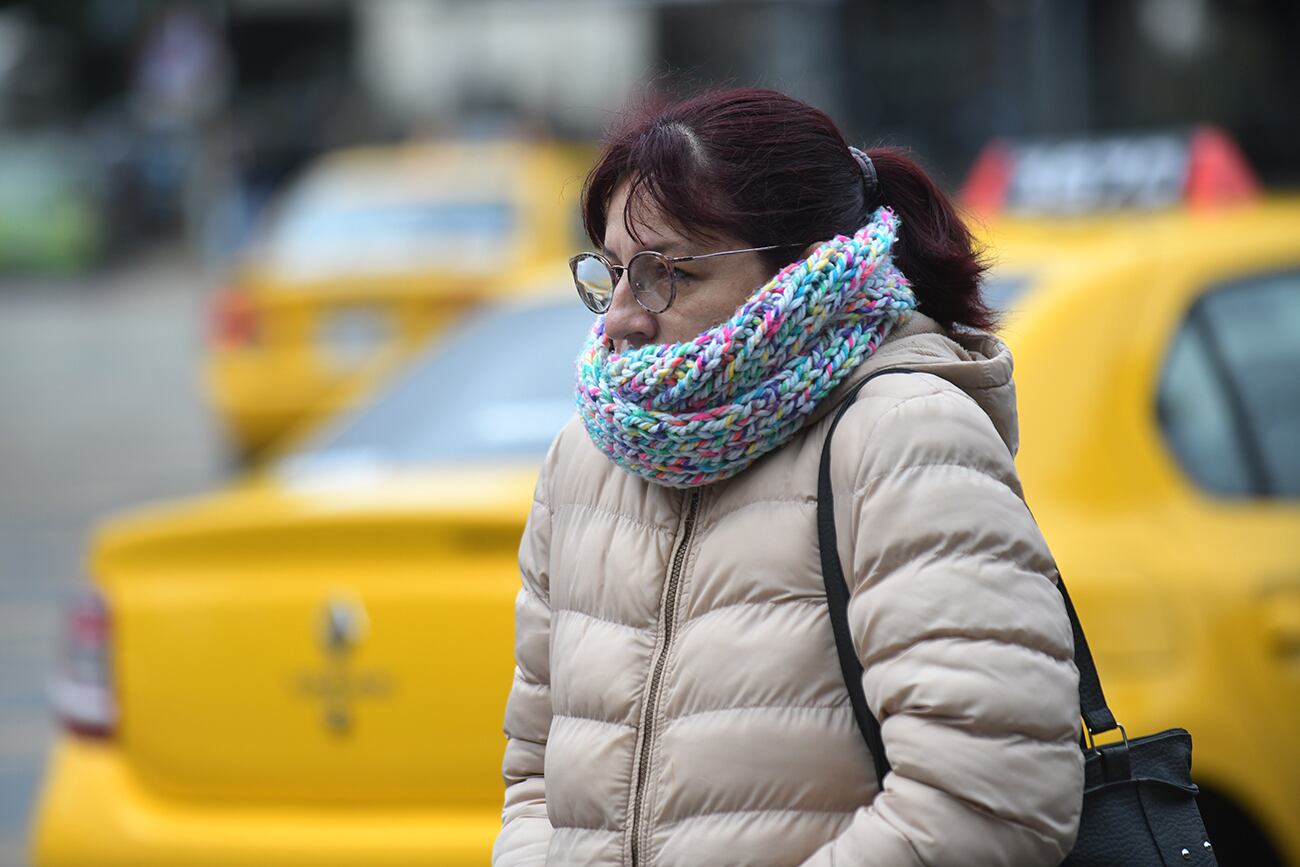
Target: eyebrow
{"x":668,"y":248}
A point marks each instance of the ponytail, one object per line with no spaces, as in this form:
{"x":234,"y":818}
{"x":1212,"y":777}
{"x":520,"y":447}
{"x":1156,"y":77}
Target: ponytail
{"x":936,"y":250}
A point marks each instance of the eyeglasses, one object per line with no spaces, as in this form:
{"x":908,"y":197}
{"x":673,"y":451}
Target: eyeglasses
{"x":652,"y":275}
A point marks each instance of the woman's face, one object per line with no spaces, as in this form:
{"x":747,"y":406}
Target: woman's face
{"x":708,"y":292}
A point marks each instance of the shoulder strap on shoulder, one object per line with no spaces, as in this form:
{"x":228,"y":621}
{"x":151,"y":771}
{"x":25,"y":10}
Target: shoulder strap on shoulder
{"x":837,"y":590}
{"x":1097,"y":716}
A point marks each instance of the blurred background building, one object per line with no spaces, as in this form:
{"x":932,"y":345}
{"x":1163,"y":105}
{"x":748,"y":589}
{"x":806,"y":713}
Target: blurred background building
{"x":182,"y":118}
{"x":140,"y":141}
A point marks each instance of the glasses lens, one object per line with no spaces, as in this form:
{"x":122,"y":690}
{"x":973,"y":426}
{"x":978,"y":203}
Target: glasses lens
{"x":594,"y":281}
{"x":652,"y":282}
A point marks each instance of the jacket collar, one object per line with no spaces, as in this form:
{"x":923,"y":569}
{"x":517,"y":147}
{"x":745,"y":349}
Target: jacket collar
{"x":976,"y":362}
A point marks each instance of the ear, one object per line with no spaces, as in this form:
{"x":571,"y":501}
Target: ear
{"x":808,"y":251}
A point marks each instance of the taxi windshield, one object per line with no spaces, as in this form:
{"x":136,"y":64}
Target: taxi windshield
{"x":501,"y":387}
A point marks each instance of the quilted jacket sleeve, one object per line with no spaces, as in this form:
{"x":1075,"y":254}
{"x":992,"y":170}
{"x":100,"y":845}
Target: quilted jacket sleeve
{"x":525,"y":829}
{"x":966,"y":648}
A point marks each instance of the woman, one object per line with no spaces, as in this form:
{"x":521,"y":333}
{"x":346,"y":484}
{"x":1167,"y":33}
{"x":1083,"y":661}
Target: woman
{"x":677,"y":699}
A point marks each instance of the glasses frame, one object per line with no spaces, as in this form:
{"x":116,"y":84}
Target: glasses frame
{"x":617,"y":272}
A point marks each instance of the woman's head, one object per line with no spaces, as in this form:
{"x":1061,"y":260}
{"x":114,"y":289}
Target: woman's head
{"x":743,"y":168}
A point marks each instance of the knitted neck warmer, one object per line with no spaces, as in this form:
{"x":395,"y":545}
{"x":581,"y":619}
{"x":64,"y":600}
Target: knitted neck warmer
{"x":693,"y":413}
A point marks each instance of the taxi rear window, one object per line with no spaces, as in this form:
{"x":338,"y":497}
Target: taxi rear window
{"x":499,"y":388}
{"x":314,"y":230}
{"x":1002,"y":290}
{"x":387,"y":217}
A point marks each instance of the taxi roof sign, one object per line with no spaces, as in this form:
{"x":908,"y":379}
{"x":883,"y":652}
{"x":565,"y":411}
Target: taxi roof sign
{"x":1201,"y":169}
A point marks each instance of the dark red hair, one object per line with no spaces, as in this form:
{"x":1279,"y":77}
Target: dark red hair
{"x":764,"y":168}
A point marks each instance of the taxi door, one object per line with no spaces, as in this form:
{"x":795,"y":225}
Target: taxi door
{"x":1228,"y":412}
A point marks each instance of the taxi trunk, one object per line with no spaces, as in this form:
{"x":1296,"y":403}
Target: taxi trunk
{"x":315,"y":657}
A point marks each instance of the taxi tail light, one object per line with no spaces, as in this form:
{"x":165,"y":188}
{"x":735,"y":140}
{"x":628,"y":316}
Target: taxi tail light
{"x":235,"y":320}
{"x":81,"y":689}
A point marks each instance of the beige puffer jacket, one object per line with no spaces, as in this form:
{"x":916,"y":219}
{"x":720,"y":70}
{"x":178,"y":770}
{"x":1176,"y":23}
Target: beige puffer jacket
{"x":678,"y":700}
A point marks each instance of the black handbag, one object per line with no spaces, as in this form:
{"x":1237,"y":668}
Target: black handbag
{"x":1139,"y":802}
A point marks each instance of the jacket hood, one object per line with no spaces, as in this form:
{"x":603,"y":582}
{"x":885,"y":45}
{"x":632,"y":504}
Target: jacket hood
{"x":975,"y":361}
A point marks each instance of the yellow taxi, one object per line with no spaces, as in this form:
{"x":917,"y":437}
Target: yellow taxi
{"x":370,"y":253}
{"x":1153,"y":309}
{"x":311,"y":667}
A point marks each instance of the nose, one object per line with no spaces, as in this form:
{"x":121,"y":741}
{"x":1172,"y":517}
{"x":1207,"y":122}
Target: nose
{"x":627,"y":323}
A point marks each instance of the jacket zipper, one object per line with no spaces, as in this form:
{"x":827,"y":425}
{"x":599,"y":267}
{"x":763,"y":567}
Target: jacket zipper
{"x":656,"y":678}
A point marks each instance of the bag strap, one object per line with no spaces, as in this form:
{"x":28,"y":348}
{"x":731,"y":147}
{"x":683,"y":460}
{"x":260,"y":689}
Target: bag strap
{"x":1092,"y":702}
{"x":1097,"y":716}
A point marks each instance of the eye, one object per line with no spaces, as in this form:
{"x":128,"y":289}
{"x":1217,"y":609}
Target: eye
{"x":680,"y":274}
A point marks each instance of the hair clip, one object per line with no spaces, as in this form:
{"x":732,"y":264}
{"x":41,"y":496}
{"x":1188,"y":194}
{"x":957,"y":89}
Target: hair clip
{"x":870,"y":182}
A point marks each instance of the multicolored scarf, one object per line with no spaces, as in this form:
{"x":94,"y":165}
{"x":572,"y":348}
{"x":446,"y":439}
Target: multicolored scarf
{"x":693,"y":413}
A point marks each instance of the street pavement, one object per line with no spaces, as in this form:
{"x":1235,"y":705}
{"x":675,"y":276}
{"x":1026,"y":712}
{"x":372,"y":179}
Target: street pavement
{"x":100,"y":408}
